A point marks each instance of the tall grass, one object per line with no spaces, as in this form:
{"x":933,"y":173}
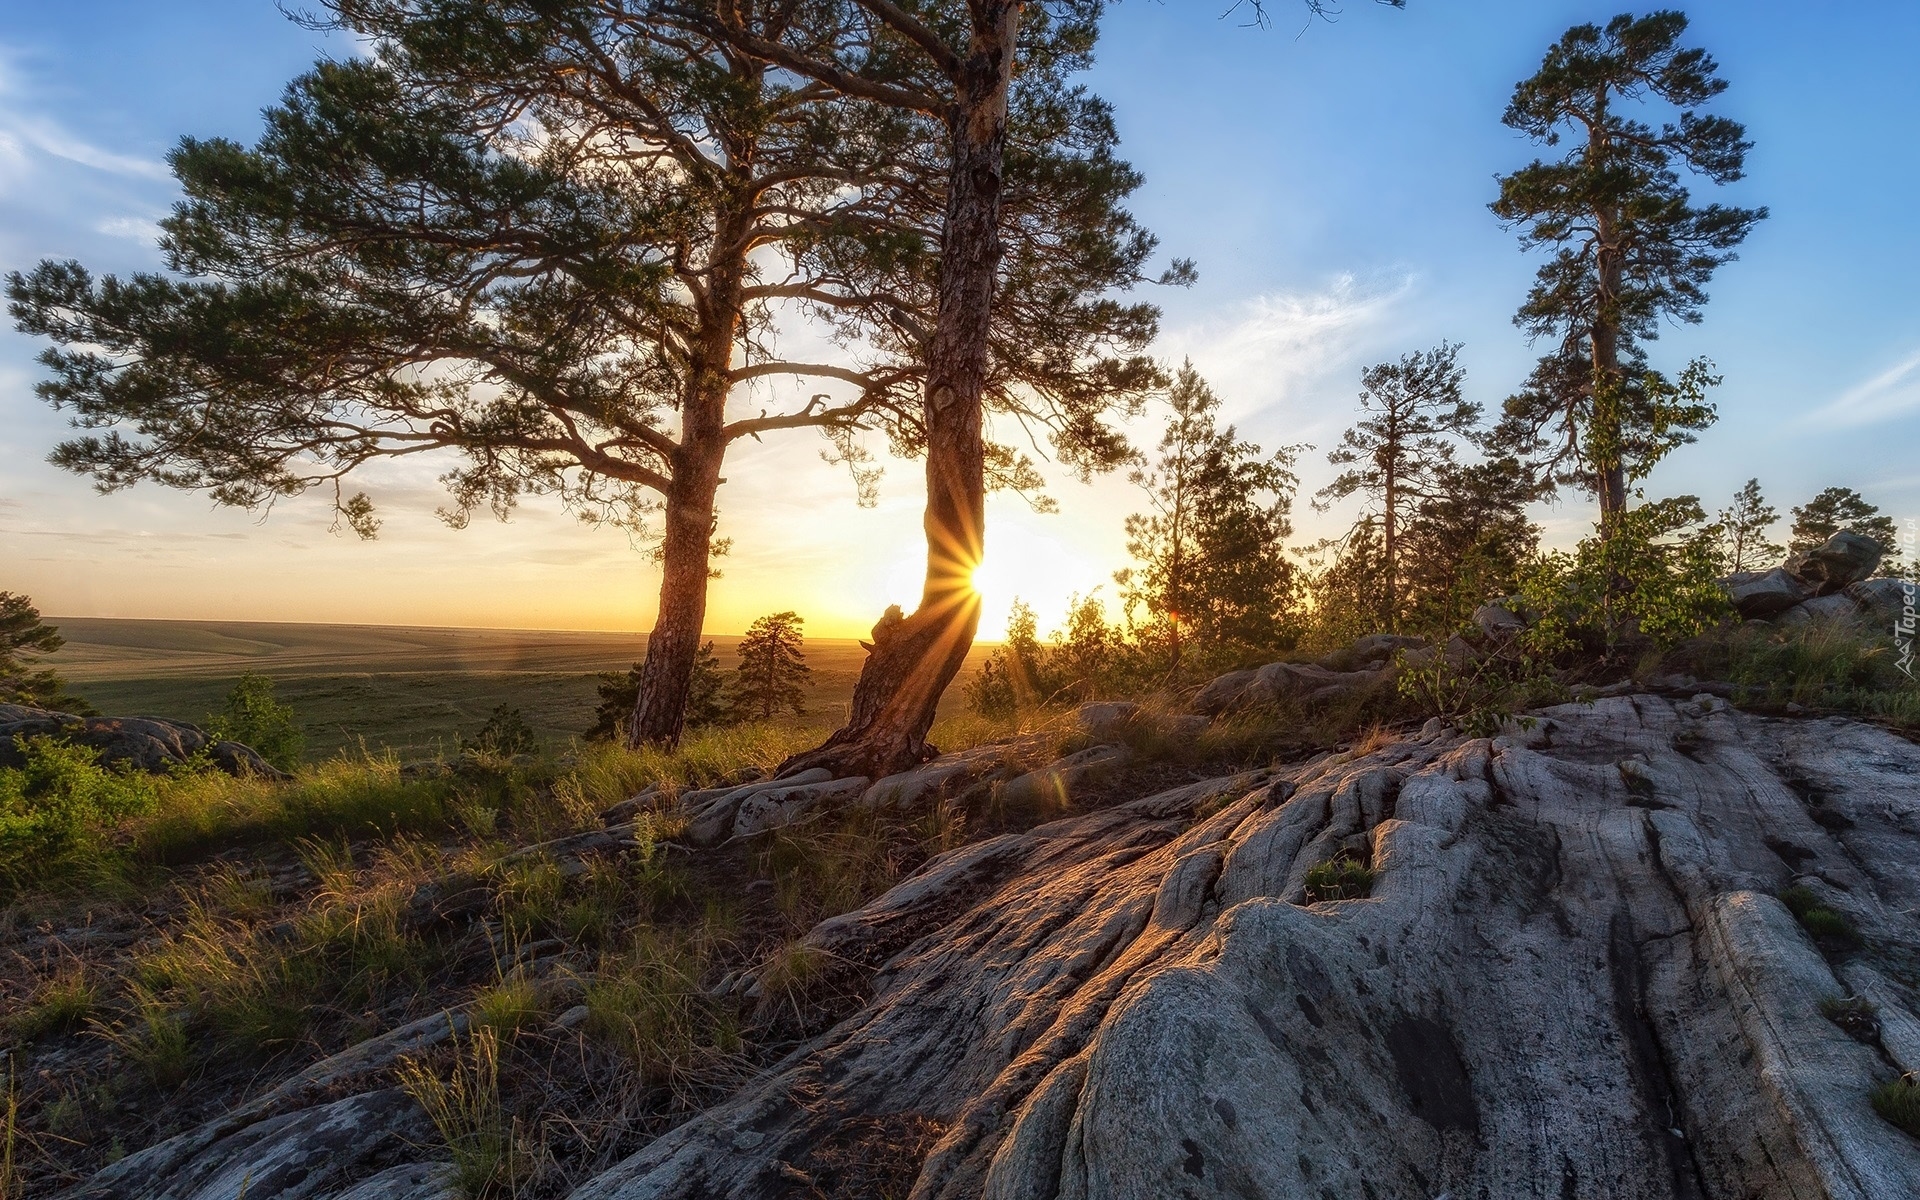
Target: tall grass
{"x":464,"y":1106}
{"x":1832,"y":666}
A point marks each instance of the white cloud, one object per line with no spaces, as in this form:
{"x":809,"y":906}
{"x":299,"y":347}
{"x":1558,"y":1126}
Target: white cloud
{"x":26,"y":136}
{"x":1892,"y":393}
{"x":1280,"y":343}
{"x":139,"y":229}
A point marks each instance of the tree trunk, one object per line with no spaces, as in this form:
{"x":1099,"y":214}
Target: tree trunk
{"x":667,"y":675}
{"x":1389,"y":544}
{"x":1603,"y":439}
{"x":913,"y":660}
{"x":686,"y":551}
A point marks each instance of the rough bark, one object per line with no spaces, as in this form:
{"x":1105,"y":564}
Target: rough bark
{"x":1604,"y":338}
{"x":1572,"y":979}
{"x":912,"y":662}
{"x":686,"y":549}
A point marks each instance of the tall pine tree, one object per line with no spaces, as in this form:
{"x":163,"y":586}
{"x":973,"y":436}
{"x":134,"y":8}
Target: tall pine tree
{"x":1628,"y":247}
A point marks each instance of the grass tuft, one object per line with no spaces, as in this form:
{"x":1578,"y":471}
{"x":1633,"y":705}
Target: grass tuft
{"x":1822,"y":923}
{"x":60,"y":1005}
{"x":1898,"y":1102}
{"x":1341,"y":879}
{"x":464,"y":1106}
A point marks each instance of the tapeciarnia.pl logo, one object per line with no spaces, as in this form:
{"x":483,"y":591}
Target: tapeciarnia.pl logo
{"x":1903,"y":625}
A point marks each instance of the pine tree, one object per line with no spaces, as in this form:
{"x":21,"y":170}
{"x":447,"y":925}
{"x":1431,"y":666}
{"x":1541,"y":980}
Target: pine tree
{"x":1742,"y":529}
{"x":1466,"y":543}
{"x":772,"y":673}
{"x":1629,"y":247}
{"x":553,"y":241}
{"x":1402,"y":451}
{"x":253,"y":717}
{"x":1212,"y":570}
{"x":619,"y":691}
{"x":1838,"y":509}
{"x":23,"y":638}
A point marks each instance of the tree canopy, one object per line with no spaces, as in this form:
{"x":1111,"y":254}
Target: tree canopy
{"x":1627,"y":245}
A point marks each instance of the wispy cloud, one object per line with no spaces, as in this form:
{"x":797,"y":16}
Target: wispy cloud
{"x":139,"y":229}
{"x":1892,"y":393}
{"x":27,"y":135}
{"x":1276,"y":345}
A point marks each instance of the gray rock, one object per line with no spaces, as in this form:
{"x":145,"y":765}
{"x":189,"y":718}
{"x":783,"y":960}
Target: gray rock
{"x":776,"y":807}
{"x":1884,"y":602}
{"x":151,"y":744}
{"x":1843,"y":559}
{"x":710,"y":811}
{"x":1762,"y":595}
{"x":1837,"y":607}
{"x":1225,"y":693}
{"x":1101,"y":717}
{"x":1376,"y":647}
{"x":1571,"y":977}
{"x":1496,"y":620}
{"x":946,"y":775}
{"x":408,"y":1181}
{"x":1058,"y":782}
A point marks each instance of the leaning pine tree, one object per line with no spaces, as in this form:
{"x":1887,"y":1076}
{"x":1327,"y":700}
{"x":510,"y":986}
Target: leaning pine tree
{"x":554,"y":240}
{"x":1629,"y":247}
{"x":977,"y":70}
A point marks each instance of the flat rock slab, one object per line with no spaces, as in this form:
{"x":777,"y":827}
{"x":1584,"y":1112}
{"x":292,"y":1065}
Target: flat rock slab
{"x":1572,"y":978}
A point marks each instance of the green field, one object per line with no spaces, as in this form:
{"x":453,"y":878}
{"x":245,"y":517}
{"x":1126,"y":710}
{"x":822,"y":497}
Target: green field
{"x":411,"y":689}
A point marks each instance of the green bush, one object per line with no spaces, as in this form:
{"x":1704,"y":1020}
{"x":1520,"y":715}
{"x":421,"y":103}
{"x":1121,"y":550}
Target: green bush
{"x":57,"y":804}
{"x":1655,"y":574}
{"x":253,"y":717}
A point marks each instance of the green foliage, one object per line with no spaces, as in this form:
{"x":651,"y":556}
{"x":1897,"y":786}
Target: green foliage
{"x":1402,"y":451}
{"x":504,"y":735}
{"x":1838,"y":509}
{"x":1821,"y":922}
{"x":1651,"y":574}
{"x":1466,"y":545}
{"x":1343,"y":878}
{"x":619,"y":693}
{"x":1212,"y":582}
{"x":1627,"y":246}
{"x":252,"y":716}
{"x":59,"y":803}
{"x":1480,"y":696}
{"x":647,"y":1002}
{"x":1898,"y":1103}
{"x":772,"y":673}
{"x":1741,"y":530}
{"x":23,"y":637}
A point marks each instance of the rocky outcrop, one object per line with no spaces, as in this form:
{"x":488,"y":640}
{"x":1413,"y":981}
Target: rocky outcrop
{"x":1309,"y":683}
{"x":1564,"y":969}
{"x":1843,"y":559}
{"x":141,"y":743}
{"x":1763,"y":595}
{"x":1572,"y":978}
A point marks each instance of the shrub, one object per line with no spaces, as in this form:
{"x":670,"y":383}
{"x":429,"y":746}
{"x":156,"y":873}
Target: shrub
{"x":505,"y":734}
{"x":56,"y":805}
{"x":253,"y":717}
{"x":1654,"y":573}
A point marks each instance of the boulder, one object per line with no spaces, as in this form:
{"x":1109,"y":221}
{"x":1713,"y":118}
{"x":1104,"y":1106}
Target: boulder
{"x":1843,"y":559}
{"x":1837,"y":607}
{"x":1763,"y":595}
{"x":777,"y":806}
{"x":152,"y":744}
{"x":1226,"y":693}
{"x":1886,"y":602}
{"x":1101,"y":717}
{"x":1495,"y":620}
{"x":710,"y":811}
{"x":1378,"y":647}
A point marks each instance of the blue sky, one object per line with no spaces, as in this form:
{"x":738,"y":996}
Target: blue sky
{"x":1331,"y":179}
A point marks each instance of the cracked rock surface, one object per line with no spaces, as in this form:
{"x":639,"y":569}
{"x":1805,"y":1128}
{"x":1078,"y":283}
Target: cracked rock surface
{"x":1572,"y":978}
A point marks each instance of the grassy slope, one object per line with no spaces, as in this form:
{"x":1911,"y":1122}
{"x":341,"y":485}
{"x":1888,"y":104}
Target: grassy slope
{"x":406,"y":688}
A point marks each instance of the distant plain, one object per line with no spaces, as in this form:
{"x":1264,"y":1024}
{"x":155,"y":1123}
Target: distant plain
{"x":410,"y":689}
